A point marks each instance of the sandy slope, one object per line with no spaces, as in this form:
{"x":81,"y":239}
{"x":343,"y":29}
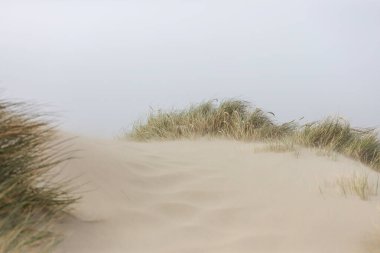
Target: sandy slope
{"x":213,"y":196}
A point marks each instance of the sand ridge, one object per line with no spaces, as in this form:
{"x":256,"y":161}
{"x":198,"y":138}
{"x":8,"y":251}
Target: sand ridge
{"x":211,"y":196}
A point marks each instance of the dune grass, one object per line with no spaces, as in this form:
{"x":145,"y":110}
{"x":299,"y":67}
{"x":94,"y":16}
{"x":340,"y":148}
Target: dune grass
{"x":354,"y":183}
{"x":30,"y":203}
{"x":236,"y":119}
{"x":358,"y":184}
{"x":231,"y":118}
{"x":336,"y":135}
{"x":282,"y":146}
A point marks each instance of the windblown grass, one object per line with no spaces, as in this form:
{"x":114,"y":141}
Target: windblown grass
{"x":336,"y":134}
{"x":278,"y":147}
{"x":358,"y":184}
{"x":30,"y":202}
{"x":232,"y":118}
{"x":236,"y":119}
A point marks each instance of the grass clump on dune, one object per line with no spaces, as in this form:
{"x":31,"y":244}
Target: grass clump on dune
{"x":358,"y":184}
{"x":231,"y":118}
{"x":336,"y":134}
{"x":236,"y":119}
{"x":30,"y":203}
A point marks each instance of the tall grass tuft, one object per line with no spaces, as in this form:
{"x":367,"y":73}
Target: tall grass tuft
{"x":231,"y":118}
{"x":336,"y":134}
{"x":236,"y":119}
{"x":358,"y":184}
{"x":30,"y":202}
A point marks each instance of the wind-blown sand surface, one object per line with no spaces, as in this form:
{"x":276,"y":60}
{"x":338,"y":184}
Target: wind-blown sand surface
{"x":213,"y":196}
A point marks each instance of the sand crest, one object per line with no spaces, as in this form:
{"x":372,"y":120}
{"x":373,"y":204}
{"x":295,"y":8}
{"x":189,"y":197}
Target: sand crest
{"x":212,"y":196}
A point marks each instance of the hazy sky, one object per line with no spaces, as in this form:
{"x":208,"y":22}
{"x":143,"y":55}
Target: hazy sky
{"x":101,"y":64}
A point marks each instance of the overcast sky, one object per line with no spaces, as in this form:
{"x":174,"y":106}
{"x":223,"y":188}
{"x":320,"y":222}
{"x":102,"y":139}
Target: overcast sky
{"x":102,"y":64}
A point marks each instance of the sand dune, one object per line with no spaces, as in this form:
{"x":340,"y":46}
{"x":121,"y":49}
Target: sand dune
{"x":213,"y":196}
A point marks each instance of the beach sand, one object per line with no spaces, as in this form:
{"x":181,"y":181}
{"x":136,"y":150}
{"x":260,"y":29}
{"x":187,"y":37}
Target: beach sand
{"x":213,"y":196}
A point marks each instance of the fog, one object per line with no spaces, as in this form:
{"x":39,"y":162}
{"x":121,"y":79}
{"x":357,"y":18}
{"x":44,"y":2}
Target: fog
{"x":101,"y":65}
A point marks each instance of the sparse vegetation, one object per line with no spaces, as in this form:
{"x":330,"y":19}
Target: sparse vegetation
{"x":238,"y":120}
{"x":358,"y":184}
{"x":30,"y":203}
{"x":278,"y":147}
{"x":328,"y":153}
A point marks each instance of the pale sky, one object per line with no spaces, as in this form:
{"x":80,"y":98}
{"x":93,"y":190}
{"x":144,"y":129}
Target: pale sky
{"x":101,"y":64}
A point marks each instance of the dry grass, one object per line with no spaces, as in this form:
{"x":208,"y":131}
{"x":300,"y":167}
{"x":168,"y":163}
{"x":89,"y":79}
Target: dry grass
{"x":29,"y":203}
{"x":358,"y":184}
{"x":327,"y":153}
{"x":231,"y":118}
{"x":336,"y":135}
{"x":238,"y":120}
{"x":282,"y":146}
